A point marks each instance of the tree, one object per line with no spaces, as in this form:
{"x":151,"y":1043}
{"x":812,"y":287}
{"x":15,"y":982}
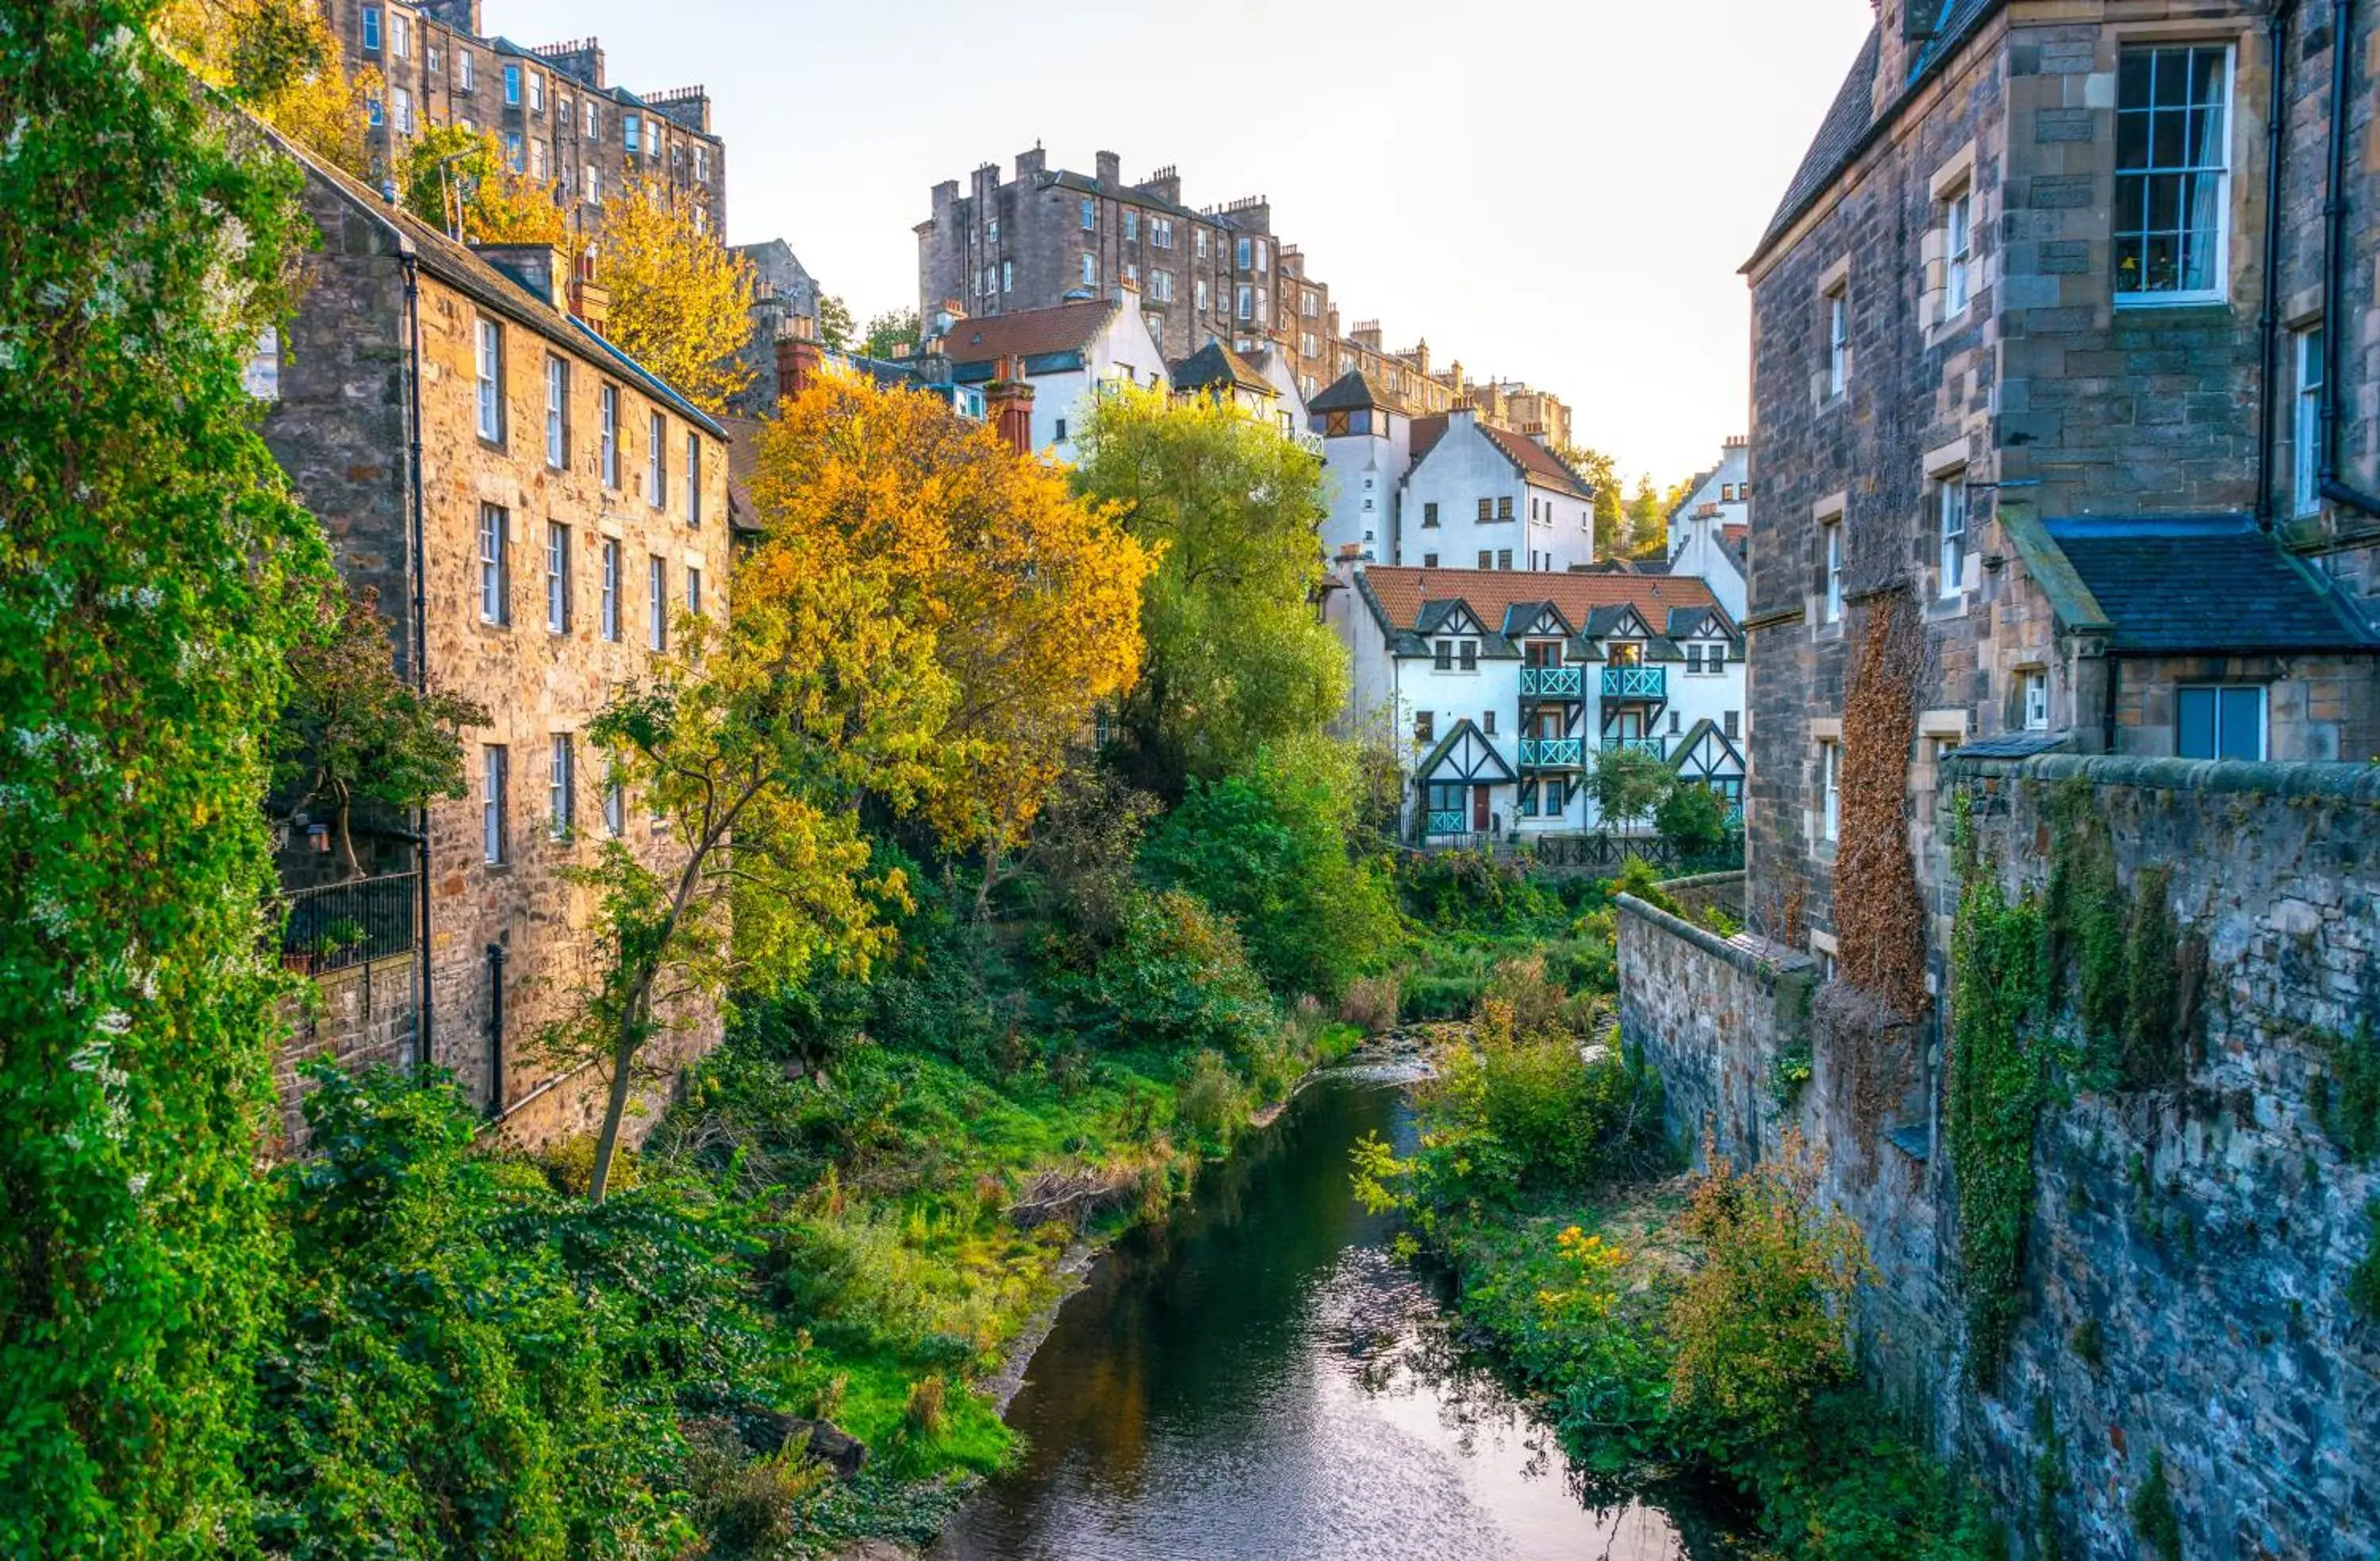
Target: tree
{"x":891,"y":330}
{"x":834,"y":323}
{"x":280,"y":59}
{"x":153,"y":574}
{"x":1648,"y":521}
{"x":1237,"y":656}
{"x":1602,"y":474}
{"x":1628,"y":783}
{"x":456,"y":180}
{"x":1692,"y":820}
{"x":353,"y":727}
{"x":680,"y":299}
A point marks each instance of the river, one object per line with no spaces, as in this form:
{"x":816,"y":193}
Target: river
{"x":1257,"y":1377}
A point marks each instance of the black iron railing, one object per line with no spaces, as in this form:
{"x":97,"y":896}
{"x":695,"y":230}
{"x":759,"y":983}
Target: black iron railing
{"x":332,"y":926}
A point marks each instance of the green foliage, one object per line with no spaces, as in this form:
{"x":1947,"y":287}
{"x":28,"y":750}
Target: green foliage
{"x":2126,"y":953}
{"x":1997,"y":1085}
{"x":1211,"y":1100}
{"x":889,"y":332}
{"x":2153,"y":1513}
{"x":1789,"y":1071}
{"x":1638,"y":877}
{"x":1268,"y":848}
{"x":2153,"y":1051}
{"x":1449,"y":891}
{"x":1237,"y":659}
{"x":2089,"y":1341}
{"x":1180,"y":978}
{"x":2347,"y":1097}
{"x":1628,"y":785}
{"x":835,"y":324}
{"x":2363,"y":1279}
{"x":1692,"y":820}
{"x":153,"y":576}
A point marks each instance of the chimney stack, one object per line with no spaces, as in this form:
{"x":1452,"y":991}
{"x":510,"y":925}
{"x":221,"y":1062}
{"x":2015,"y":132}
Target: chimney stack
{"x":1008,"y":405}
{"x":799,"y":356}
{"x":1110,"y":170}
{"x":591,"y":302}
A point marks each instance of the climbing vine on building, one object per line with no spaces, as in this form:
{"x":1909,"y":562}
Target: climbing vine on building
{"x":2135,"y":974}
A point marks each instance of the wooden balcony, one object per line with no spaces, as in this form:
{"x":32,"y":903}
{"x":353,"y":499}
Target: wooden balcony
{"x":1637,"y":683}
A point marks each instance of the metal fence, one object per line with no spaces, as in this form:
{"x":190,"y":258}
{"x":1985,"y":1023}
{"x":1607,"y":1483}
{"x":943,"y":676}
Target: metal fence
{"x":1614,"y":851}
{"x":333,"y":926}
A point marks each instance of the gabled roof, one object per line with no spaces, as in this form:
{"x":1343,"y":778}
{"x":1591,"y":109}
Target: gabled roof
{"x":1532,"y":459}
{"x":1217,"y":367}
{"x":1401,"y":596}
{"x":455,"y":265}
{"x":1350,"y":392}
{"x":1520,"y":617}
{"x":2195,"y":584}
{"x":743,"y":460}
{"x":1682,"y":748}
{"x":1480,"y":746}
{"x":1684,"y":621}
{"x":1028,"y":332}
{"x":1852,"y":117}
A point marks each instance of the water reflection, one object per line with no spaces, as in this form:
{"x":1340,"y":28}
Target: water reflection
{"x":1259,"y":1378}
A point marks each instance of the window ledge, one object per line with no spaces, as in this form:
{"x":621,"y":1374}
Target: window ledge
{"x":2212,"y":302}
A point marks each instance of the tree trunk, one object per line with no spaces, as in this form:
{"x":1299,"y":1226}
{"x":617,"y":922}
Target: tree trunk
{"x":615,"y":1105}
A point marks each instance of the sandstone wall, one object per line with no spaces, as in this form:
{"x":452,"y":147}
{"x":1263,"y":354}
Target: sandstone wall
{"x":2205,"y":1233}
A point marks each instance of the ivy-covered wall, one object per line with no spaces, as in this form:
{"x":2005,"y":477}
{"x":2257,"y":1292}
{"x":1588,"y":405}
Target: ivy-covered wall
{"x":2123,"y":1218}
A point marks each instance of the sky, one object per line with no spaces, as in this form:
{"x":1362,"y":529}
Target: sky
{"x":1559,"y":191}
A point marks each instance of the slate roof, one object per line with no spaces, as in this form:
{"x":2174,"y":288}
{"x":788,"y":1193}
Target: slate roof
{"x":455,"y":265}
{"x":1027,"y":332}
{"x":1217,"y":367}
{"x":2204,"y":585}
{"x":743,"y":457}
{"x":1532,"y":458}
{"x":1851,"y":118}
{"x":1350,"y":392}
{"x":1409,"y":602}
{"x":2011,"y":746}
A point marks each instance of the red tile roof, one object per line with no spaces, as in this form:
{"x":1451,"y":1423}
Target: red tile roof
{"x":1527,"y":454}
{"x":1066,"y":328}
{"x":1404,"y":592}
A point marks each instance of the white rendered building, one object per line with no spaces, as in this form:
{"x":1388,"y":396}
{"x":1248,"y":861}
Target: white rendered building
{"x":1709,"y":533}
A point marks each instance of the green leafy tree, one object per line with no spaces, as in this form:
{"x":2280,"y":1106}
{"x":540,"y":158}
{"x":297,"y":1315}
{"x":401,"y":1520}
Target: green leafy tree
{"x":1648,"y":521}
{"x":1692,"y":820}
{"x":1602,"y":474}
{"x":1237,"y":658}
{"x":153,"y":574}
{"x":1628,"y":784}
{"x":835,"y":327}
{"x":890,"y":331}
{"x":354,"y":728}
{"x":1268,"y":848}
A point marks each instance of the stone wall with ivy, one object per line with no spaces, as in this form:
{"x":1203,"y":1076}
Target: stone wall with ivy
{"x":2124,"y":1217}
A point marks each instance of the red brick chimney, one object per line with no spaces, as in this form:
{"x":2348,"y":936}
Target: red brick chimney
{"x":1008,"y":405}
{"x":799,"y":356}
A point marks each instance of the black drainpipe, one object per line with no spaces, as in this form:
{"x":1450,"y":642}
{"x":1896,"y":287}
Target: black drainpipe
{"x":495,"y":1030}
{"x":421,"y":637}
{"x":2276,"y":39}
{"x":2334,"y":261}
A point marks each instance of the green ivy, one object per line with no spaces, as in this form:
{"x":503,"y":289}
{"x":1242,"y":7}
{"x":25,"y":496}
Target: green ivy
{"x":2347,"y":1098}
{"x":153,"y":576}
{"x":2363,"y":1280}
{"x":2153,"y":1517}
{"x":2125,"y":951}
{"x":1997,"y":1085}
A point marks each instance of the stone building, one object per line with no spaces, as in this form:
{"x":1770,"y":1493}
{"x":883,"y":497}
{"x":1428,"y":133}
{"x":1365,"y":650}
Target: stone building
{"x":550,"y":108}
{"x":538,"y":514}
{"x":783,"y":292}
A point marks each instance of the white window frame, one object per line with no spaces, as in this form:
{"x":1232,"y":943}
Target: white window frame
{"x":562,"y":760}
{"x":1830,"y":795}
{"x":657,"y":602}
{"x":693,"y":477}
{"x":495,"y":564}
{"x":1957,"y":250}
{"x":1952,"y":501}
{"x":495,"y":787}
{"x":1838,"y":340}
{"x":465,"y":73}
{"x":2306,"y":423}
{"x":2188,"y":173}
{"x":2032,"y":695}
{"x":608,"y":611}
{"x":512,"y":85}
{"x":657,"y":460}
{"x":608,"y":400}
{"x":557,"y":411}
{"x":693,"y":589}
{"x":557,"y":577}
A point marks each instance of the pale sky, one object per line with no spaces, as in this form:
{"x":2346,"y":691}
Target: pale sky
{"x":1555,"y":190}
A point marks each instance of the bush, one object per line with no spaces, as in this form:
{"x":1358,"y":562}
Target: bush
{"x":1210,"y":1101}
{"x":1370,"y":1003}
{"x":1180,"y":978}
{"x":1474,"y":891}
{"x":1692,"y":820}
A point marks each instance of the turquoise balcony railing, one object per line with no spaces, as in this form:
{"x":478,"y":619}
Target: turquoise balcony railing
{"x":1636,"y":744}
{"x":1553,"y":682}
{"x":1636,"y":683}
{"x":1552,"y":753}
{"x":1448,"y":822}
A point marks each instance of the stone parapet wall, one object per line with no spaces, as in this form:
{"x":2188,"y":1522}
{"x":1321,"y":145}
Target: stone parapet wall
{"x":367,"y":1015}
{"x":1704,"y":891}
{"x":2189,"y":1247}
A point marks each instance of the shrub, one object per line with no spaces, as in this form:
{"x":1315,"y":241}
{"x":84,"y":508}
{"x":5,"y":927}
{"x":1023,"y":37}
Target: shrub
{"x":748,"y":1506}
{"x":1474,"y":891}
{"x":1181,"y":979}
{"x":1692,"y":820}
{"x":1370,"y":1003}
{"x":2153,"y":1513}
{"x":1759,"y":1325}
{"x":1210,"y":1100}
{"x":925,"y":1414}
{"x":2364,"y":1281}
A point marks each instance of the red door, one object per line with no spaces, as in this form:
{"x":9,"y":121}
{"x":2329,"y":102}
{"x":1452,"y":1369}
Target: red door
{"x":1479,"y":809}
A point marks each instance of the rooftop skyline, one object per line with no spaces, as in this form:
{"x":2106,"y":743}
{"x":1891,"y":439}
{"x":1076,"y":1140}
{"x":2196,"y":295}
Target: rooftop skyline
{"x":1520,"y":182}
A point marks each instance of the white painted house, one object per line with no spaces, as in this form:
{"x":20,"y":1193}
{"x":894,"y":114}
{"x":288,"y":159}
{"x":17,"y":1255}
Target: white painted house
{"x":1709,"y":532}
{"x":1261,"y":384}
{"x":1480,"y":497}
{"x":1500,"y":689}
{"x":1066,"y":354}
{"x":1366,"y":450}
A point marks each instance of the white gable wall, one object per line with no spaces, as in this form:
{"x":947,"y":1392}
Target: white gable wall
{"x":1362,"y":471}
{"x":1465,"y":467}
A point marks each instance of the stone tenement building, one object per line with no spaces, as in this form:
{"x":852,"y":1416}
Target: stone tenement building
{"x":560,"y":513}
{"x":550,"y":108}
{"x":2063,"y":443}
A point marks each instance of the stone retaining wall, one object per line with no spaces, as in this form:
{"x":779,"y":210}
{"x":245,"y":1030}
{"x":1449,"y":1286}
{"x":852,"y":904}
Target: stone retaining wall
{"x":2189,"y":1247}
{"x":365,"y":1015}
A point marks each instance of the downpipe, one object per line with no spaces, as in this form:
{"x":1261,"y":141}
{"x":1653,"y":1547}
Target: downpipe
{"x":2276,"y":37}
{"x":415,"y":546}
{"x":2334,"y":487}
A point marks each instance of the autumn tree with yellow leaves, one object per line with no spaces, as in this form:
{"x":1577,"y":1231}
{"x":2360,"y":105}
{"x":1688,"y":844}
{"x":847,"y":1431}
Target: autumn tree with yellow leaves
{"x":280,"y":58}
{"x":927,"y":624}
{"x":456,"y":180}
{"x":680,"y":299}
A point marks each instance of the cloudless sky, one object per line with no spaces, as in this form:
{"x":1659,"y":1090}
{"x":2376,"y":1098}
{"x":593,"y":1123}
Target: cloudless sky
{"x":1555,"y":190}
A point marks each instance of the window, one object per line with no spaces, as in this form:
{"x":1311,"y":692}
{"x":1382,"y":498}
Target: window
{"x":656,"y":601}
{"x":400,"y":35}
{"x":536,"y":93}
{"x":607,"y":614}
{"x":495,"y":564}
{"x":693,"y":477}
{"x":1198,"y":242}
{"x":1503,"y":558}
{"x":494,"y":783}
{"x":1060,"y":431}
{"x":557,"y":576}
{"x":1091,"y":216}
{"x":1715,"y":657}
{"x":1694,"y":658}
{"x":609,"y":424}
{"x":2173,"y":179}
{"x":2034,"y":687}
{"x":261,"y":378}
{"x":432,"y":52}
{"x":1950,"y":504}
{"x":516,"y":151}
{"x":557,"y":788}
{"x":657,"y":462}
{"x":590,"y":184}
{"x":1245,"y":255}
{"x":1468,"y":654}
{"x":2305,"y":430}
{"x":1829,"y":791}
{"x":557,"y":412}
{"x":1429,"y":561}
{"x":1833,"y":532}
{"x":1838,"y":340}
{"x":1161,"y":286}
{"x":1200,"y":289}
{"x":1504,"y":507}
{"x":693,"y":589}
{"x":615,"y":809}
{"x":1673,"y":723}
{"x":1486,"y":559}
{"x":1429,"y":515}
{"x":1487,"y":723}
{"x":1731,"y":724}
{"x":631,"y":128}
{"x":464,"y":79}
{"x":1957,"y":243}
{"x":1090,"y":269}
{"x":594,"y":119}
{"x":1247,"y":303}
{"x":702,"y":165}
{"x":538,"y":167}
{"x":2220,"y":721}
{"x":402,"y":101}
{"x":373,"y":113}
{"x":513,"y":84}
{"x":1487,"y":509}
{"x":1445,"y":655}
{"x":1425,"y":726}
{"x":372,"y":27}
{"x":1131,"y":225}
{"x":1263,"y":250}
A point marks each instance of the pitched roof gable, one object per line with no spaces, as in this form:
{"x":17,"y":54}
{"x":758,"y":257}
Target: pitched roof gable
{"x":1028,"y":332}
{"x":1350,"y":392}
{"x":1403,"y":594}
{"x":1530,"y":458}
{"x":1217,"y":367}
{"x":2202,"y":584}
